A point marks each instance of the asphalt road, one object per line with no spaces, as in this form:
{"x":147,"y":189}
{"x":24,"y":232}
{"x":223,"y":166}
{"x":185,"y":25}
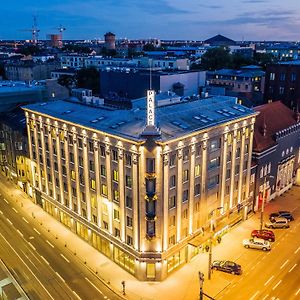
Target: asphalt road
{"x":268,"y":275}
{"x":44,"y":268}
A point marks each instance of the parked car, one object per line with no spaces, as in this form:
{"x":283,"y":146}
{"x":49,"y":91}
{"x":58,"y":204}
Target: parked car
{"x":227,"y":266}
{"x":277,"y":222}
{"x":256,"y":243}
{"x":283,"y":214}
{"x":264,"y":234}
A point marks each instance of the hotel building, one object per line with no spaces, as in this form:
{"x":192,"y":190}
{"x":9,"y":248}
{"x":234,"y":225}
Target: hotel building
{"x":139,"y":185}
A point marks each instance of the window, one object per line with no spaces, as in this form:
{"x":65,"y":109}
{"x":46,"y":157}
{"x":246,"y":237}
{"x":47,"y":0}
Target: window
{"x":116,"y":214}
{"x":185,"y":175}
{"x":197,"y":170}
{"x":213,"y":181}
{"x":282,"y":77}
{"x":198,"y":150}
{"x":172,"y":240}
{"x":128,"y":161}
{"x":71,"y":157}
{"x":74,"y":192}
{"x":238,"y":152}
{"x":129,"y":240}
{"x":62,"y":152}
{"x":91,"y":146}
{"x":281,"y":90}
{"x":172,"y":181}
{"x":104,"y":190}
{"x":82,"y":197}
{"x":102,"y":170}
{"x":57,"y":182}
{"x":128,"y":181}
{"x":116,"y":195}
{"x":95,"y":219}
{"x":197,"y":189}
{"x":186,"y":154}
{"x":185,"y":195}
{"x":114,"y":155}
{"x":128,"y":201}
{"x":92,"y":166}
{"x":272,"y":76}
{"x":102,"y":151}
{"x":129,"y":221}
{"x":117,"y":232}
{"x":150,"y":165}
{"x":172,"y":160}
{"x":172,"y":221}
{"x":215,"y":145}
{"x":80,"y":143}
{"x":293,"y":76}
{"x":228,"y":173}
{"x":172,"y":202}
{"x":185,"y":213}
{"x":93,"y":202}
{"x":64,"y":170}
{"x":55,"y":166}
{"x":65,"y":187}
{"x":80,"y":161}
{"x":115,"y":175}
{"x":73,"y":175}
{"x":93,"y":184}
{"x":214,"y":163}
{"x":237,"y":169}
{"x":105,"y":225}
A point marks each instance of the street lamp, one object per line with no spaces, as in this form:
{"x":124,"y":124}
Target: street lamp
{"x":210,"y":240}
{"x":263,"y":201}
{"x":201,"y":280}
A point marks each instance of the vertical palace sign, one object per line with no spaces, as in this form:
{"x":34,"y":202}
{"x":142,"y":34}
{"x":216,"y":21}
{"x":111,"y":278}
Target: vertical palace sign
{"x":150,"y":107}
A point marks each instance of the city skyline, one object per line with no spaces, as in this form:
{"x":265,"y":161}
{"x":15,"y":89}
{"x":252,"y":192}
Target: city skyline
{"x":164,"y":19}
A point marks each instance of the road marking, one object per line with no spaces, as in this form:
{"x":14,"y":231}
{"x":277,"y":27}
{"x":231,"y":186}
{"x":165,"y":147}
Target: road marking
{"x":76,"y":294}
{"x":60,"y":277}
{"x":276,"y":285}
{"x":26,"y":266}
{"x":297,"y":250}
{"x":15,"y":210}
{"x":36,"y":231}
{"x":265,"y":297}
{"x":31,"y":246}
{"x":284,"y":264}
{"x":64,"y":258}
{"x":9,"y":221}
{"x":49,"y":244}
{"x":25,"y":220}
{"x":254,"y":295}
{"x":5,"y":200}
{"x":297,"y":292}
{"x":93,"y":285}
{"x":45,"y":260}
{"x":19,"y":232}
{"x":269,"y":280}
{"x":292,"y":268}
{"x":1,"y":212}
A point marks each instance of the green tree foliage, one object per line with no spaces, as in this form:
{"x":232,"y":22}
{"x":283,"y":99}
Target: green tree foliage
{"x":76,"y":49}
{"x":264,"y":59}
{"x":67,"y":80}
{"x":149,"y":47}
{"x":89,"y":78}
{"x":238,"y":60}
{"x":216,"y":58}
{"x":29,"y":50}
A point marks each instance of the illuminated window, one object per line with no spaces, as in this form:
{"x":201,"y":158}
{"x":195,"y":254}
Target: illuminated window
{"x":128,"y":181}
{"x":93,"y":184}
{"x":115,"y":175}
{"x":102,"y":170}
{"x":116,"y":195}
{"x":73,"y":175}
{"x":272,"y":76}
{"x":197,"y":170}
{"x":185,"y":175}
{"x":93,"y":202}
{"x":229,"y":138}
{"x":116,"y":214}
{"x":172,"y":220}
{"x":185,"y":213}
{"x":104,"y":190}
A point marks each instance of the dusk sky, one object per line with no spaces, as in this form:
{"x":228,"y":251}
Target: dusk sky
{"x":165,"y":19}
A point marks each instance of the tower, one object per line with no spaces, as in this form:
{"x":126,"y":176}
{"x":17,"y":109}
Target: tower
{"x":110,"y":41}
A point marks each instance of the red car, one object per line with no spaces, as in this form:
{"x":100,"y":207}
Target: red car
{"x":264,"y":234}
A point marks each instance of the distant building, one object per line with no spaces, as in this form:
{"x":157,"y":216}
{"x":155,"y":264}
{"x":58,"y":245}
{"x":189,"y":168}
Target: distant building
{"x":143,"y":186}
{"x":28,"y":70}
{"x":220,"y":40}
{"x":284,"y":51}
{"x":282,"y":83}
{"x":132,"y":84}
{"x":56,"y":74}
{"x":74,"y":61}
{"x":276,"y":150}
{"x":110,"y":41}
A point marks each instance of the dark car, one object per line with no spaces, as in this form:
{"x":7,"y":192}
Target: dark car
{"x":264,"y":234}
{"x":227,"y":266}
{"x":282,"y":214}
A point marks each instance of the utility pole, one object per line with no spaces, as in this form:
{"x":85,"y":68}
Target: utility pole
{"x":201,"y":280}
{"x":210,"y":256}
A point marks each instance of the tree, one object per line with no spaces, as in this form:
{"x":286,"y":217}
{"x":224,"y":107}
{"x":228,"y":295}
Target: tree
{"x":29,"y":50}
{"x":89,"y":78}
{"x":77,"y":49}
{"x":216,"y":58}
{"x":149,"y":47}
{"x":67,"y":80}
{"x":264,"y":59}
{"x":239,"y":60}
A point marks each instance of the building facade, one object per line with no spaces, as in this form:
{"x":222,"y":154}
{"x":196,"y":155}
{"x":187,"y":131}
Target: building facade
{"x":276,"y":151}
{"x":282,"y":83}
{"x":140,"y":191}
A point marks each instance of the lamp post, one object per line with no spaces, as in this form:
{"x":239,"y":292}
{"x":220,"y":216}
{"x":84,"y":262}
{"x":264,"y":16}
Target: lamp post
{"x":201,"y":280}
{"x":263,"y":201}
{"x":210,"y":240}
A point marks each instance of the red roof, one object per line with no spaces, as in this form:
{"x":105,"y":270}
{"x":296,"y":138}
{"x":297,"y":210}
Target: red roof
{"x":272,"y":118}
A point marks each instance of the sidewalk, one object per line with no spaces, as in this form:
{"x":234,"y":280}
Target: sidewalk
{"x":184,"y":281}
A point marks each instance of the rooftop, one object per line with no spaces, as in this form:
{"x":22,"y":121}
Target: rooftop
{"x":290,"y":62}
{"x":175,"y":120}
{"x":239,"y":73}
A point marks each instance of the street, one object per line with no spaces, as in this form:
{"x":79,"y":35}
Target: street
{"x":43,"y":268}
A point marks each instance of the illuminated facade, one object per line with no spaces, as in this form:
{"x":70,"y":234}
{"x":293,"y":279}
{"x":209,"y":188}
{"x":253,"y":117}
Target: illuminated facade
{"x":138,"y":191}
